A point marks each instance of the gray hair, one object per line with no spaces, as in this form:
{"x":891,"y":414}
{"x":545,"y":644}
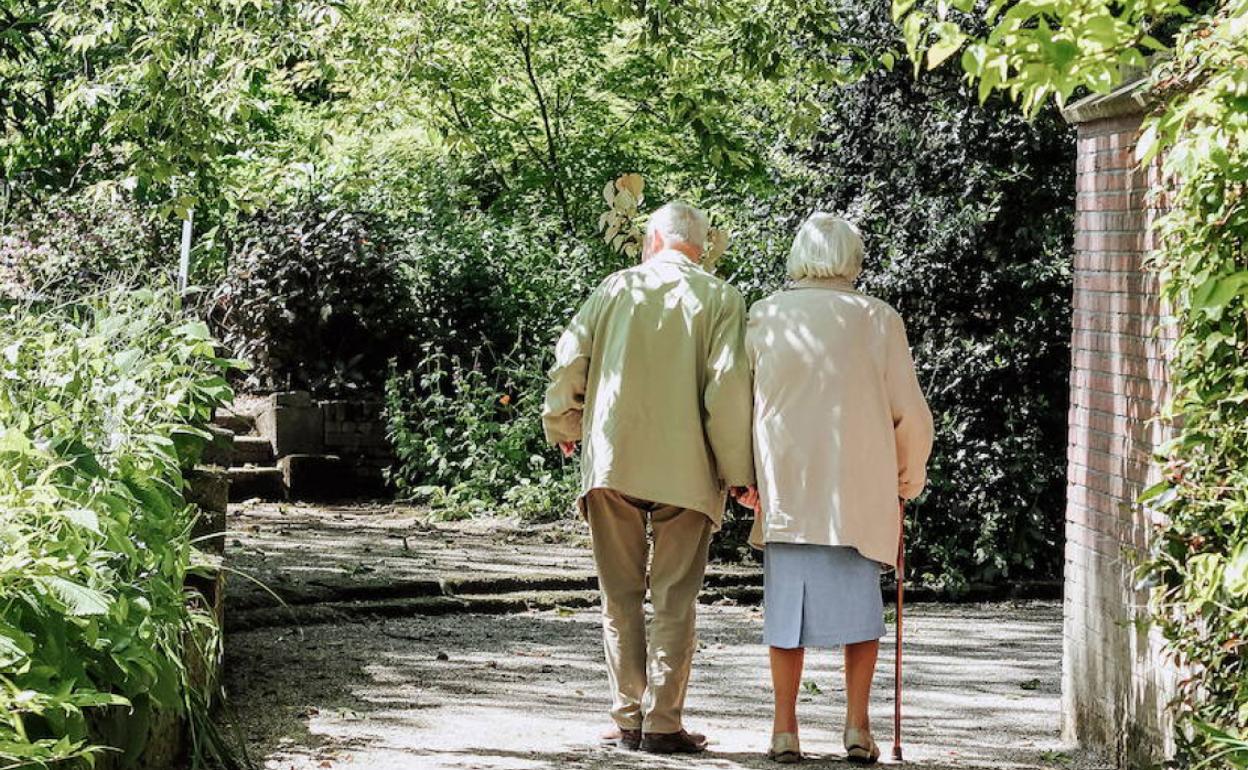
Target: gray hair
{"x":826,"y":246}
{"x":678,"y":221}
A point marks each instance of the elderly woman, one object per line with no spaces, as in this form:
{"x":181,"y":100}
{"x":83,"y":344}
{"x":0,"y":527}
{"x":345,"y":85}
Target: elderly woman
{"x":841,"y":436}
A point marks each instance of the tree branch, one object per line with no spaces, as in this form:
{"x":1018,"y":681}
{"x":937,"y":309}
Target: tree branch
{"x":524,"y":38}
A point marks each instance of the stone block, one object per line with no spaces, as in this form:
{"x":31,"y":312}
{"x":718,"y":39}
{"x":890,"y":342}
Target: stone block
{"x":233,"y":422}
{"x":209,"y":582}
{"x":209,"y":488}
{"x":253,"y":450}
{"x":293,"y":429}
{"x":295,"y":398}
{"x":258,"y":483}
{"x":220,"y":449}
{"x":316,"y":477}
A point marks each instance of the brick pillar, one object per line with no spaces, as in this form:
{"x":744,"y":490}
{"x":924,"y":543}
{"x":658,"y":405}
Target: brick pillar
{"x":1114,"y":682}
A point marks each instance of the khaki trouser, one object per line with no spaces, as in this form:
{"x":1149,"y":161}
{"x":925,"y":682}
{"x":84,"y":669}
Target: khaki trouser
{"x":647,"y":691}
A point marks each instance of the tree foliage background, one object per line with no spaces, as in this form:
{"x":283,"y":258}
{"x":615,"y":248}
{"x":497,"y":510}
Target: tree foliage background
{"x":420,"y":183}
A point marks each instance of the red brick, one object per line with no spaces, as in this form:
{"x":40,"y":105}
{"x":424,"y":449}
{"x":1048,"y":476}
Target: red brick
{"x":1125,"y":124}
{"x":1090,"y":200}
{"x":1134,"y":324}
{"x":1104,"y":240}
{"x":1116,"y":302}
{"x":1111,"y":221}
{"x":1125,"y":180}
{"x":1141,"y":429}
{"x":1105,"y":160}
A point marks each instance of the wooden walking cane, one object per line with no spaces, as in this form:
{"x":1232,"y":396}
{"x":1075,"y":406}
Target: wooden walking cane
{"x":901,"y":574}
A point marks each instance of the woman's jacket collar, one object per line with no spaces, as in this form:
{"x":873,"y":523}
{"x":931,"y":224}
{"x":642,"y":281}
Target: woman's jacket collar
{"x":844,"y":284}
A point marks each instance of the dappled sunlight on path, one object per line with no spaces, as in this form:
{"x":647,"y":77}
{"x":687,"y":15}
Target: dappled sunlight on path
{"x":527,"y":692}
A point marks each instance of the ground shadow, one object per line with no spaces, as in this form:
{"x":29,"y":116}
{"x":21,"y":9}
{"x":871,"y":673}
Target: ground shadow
{"x":527,"y":692}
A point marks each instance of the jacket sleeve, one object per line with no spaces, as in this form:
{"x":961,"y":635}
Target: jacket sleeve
{"x":728,"y":398}
{"x":565,"y":394}
{"x":912,"y":420}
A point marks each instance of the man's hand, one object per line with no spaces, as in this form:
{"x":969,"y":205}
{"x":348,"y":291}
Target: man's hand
{"x":568,"y":448}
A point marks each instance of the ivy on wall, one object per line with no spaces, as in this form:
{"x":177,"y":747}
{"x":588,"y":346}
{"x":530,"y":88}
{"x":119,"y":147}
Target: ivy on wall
{"x":1199,"y":560}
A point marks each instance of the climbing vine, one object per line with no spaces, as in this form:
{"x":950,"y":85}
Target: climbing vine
{"x":1199,"y":560}
{"x":1198,"y":565}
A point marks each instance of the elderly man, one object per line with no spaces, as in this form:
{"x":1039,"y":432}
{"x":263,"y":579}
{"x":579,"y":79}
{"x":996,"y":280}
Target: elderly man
{"x":651,"y":375}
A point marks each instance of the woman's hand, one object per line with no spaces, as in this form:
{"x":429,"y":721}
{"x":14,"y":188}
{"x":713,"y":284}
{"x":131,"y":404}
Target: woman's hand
{"x":747,"y":497}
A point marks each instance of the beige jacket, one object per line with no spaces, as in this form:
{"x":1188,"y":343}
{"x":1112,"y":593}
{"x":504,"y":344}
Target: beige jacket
{"x":651,"y":377}
{"x":841,"y":429}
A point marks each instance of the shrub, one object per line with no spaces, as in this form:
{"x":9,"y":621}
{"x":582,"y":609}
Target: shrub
{"x":69,"y":243}
{"x":470,"y":440}
{"x":102,"y":404}
{"x":315,"y":298}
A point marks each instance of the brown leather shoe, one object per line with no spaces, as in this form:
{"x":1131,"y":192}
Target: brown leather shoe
{"x":621,"y":738}
{"x":683,"y":742}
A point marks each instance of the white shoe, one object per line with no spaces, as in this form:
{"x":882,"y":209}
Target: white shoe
{"x":860,"y":746}
{"x":785,"y":749}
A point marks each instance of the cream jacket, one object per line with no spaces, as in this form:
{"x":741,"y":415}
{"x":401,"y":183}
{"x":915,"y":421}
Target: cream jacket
{"x":651,"y":376}
{"x":841,"y":429}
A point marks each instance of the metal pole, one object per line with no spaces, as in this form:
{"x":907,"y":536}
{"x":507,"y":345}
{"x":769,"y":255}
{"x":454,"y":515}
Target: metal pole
{"x":901,"y":576}
{"x":184,"y":259}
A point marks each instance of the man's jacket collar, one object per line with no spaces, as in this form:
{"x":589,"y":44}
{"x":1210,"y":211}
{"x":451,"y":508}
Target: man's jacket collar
{"x":672,"y":255}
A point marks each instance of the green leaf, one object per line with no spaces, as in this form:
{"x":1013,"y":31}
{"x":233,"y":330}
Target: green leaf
{"x":194,"y":330}
{"x":88,"y":699}
{"x":901,"y":8}
{"x":83,"y":517}
{"x":1216,"y":292}
{"x":1235,"y":578}
{"x":1154,"y":491}
{"x":1146,"y":148}
{"x":13,"y":440}
{"x":973,"y":59}
{"x":15,"y":646}
{"x":79,"y":601}
{"x":912,"y":31}
{"x":949,"y":38}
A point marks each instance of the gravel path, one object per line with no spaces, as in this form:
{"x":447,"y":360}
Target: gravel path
{"x":527,"y":690}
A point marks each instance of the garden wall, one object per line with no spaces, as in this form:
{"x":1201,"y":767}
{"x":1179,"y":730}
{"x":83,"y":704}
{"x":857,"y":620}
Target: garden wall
{"x":1114,"y":682}
{"x":327,"y":448}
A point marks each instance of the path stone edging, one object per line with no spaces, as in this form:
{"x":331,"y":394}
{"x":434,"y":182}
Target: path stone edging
{"x":513,"y":594}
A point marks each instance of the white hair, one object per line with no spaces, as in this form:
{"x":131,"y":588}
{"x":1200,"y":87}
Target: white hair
{"x":679,"y":222}
{"x":826,"y":246}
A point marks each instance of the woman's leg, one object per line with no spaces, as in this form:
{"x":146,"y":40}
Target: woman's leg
{"x":786,"y":678}
{"x":859,"y":671}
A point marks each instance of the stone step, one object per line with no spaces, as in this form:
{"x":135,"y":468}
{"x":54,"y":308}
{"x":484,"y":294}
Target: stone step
{"x":240,"y":424}
{"x":323,"y":477}
{"x":220,"y":450}
{"x":484,"y":604}
{"x":252,"y":450}
{"x":345,"y":588}
{"x":256,"y":482}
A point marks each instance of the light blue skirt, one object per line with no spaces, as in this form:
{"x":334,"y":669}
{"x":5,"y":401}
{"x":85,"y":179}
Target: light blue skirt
{"x":820,"y":596}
